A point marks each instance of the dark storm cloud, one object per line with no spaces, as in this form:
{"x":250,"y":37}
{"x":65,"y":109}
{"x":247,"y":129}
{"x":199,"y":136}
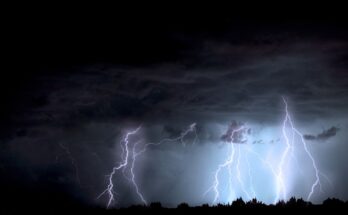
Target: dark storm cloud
{"x":309,"y":137}
{"x":324,"y":135}
{"x":173,"y":132}
{"x":239,"y":73}
{"x":235,"y":133}
{"x":328,"y":133}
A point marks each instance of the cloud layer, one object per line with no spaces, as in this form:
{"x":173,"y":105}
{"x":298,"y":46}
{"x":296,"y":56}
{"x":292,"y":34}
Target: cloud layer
{"x":238,"y":72}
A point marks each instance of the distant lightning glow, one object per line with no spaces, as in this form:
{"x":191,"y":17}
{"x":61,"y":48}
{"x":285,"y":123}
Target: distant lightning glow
{"x":72,"y":160}
{"x":230,"y":173}
{"x":126,"y":165}
{"x":264,"y":161}
{"x":251,"y":180}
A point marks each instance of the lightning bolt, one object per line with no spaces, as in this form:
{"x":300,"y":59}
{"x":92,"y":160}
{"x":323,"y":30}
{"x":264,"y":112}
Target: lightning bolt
{"x":280,"y":185}
{"x":228,"y":163}
{"x":191,"y":128}
{"x":265,"y":162}
{"x":288,"y":120}
{"x":239,"y":174}
{"x":289,"y":132}
{"x":230,"y":170}
{"x":127,"y":154}
{"x":130,"y":152}
{"x":250,"y":178}
{"x":134,"y":155}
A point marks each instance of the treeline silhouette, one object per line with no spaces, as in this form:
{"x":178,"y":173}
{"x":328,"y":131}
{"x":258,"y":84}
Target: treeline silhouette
{"x":239,"y":203}
{"x":239,"y":206}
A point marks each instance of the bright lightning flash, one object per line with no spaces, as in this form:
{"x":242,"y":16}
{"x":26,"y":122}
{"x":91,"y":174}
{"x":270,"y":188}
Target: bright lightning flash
{"x":309,"y":154}
{"x":280,"y":173}
{"x":241,"y":182}
{"x":131,"y":154}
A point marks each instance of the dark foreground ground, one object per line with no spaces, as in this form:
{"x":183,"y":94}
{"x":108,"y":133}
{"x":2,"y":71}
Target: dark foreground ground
{"x":237,"y":207}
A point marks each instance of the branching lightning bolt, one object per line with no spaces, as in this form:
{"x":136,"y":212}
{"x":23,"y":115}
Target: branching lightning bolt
{"x":131,"y":151}
{"x":228,"y":163}
{"x":279,"y":173}
{"x":264,"y":161}
{"x":192,"y":128}
{"x":135,"y":154}
{"x":309,"y":154}
{"x":110,"y":188}
{"x":280,"y":185}
{"x":132,"y":155}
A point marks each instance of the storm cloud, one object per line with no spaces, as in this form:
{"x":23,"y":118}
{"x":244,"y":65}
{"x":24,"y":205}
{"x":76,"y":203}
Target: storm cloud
{"x":324,"y":135}
{"x":165,"y":82}
{"x":235,"y":133}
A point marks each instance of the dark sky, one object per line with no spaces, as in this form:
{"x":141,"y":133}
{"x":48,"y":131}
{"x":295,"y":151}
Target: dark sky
{"x":82,"y":82}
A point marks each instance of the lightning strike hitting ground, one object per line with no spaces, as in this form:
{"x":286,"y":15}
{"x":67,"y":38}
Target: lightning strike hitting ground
{"x":264,"y":162}
{"x":228,"y":163}
{"x":280,"y":185}
{"x":110,"y":188}
{"x":131,"y":151}
{"x":279,"y":173}
{"x":239,"y":174}
{"x":125,"y":165}
{"x":230,"y":173}
{"x":134,"y":155}
{"x":251,"y":181}
{"x":192,"y":128}
{"x":317,"y":172}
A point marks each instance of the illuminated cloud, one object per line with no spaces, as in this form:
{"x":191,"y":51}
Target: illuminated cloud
{"x":235,"y":133}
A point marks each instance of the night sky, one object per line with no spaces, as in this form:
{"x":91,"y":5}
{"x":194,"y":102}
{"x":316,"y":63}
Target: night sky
{"x":74,"y":88}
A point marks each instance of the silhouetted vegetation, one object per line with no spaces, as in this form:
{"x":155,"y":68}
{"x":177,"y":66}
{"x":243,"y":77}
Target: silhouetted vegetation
{"x":183,"y":206}
{"x":239,"y":205}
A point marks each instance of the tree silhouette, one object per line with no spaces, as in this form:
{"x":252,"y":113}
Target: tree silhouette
{"x":333,"y":202}
{"x":71,"y":207}
{"x":238,"y":203}
{"x":183,"y":205}
{"x":301,"y":203}
{"x":205,"y":206}
{"x":156,"y":205}
{"x":281,"y":203}
{"x":254,"y":203}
